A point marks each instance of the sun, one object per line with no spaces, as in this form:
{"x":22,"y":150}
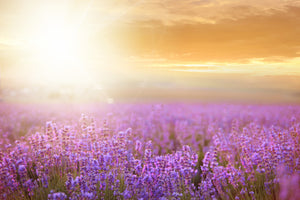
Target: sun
{"x":65,"y":48}
{"x":57,"y":42}
{"x":58,"y":45}
{"x":58,"y":51}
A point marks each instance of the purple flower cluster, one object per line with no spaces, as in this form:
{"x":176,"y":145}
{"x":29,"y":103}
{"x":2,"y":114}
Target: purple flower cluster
{"x":93,"y":165}
{"x":170,"y":152}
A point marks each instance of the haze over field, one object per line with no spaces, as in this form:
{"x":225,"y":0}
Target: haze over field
{"x":193,"y":50}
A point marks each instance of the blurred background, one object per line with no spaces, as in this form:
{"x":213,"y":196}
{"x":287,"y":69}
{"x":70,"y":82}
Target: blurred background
{"x":154,"y":50}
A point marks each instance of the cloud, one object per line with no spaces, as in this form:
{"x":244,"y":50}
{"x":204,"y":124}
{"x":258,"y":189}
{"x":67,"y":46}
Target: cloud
{"x":204,"y":11}
{"x":259,"y":35}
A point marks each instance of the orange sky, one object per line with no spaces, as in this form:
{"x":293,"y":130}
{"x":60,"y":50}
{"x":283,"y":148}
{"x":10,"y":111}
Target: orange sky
{"x":205,"y":43}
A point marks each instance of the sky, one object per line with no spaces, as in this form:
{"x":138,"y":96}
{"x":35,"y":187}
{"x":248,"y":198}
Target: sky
{"x":215,"y":45}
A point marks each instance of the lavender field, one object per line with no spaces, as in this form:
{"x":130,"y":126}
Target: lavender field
{"x":150,"y":100}
{"x":145,"y":151}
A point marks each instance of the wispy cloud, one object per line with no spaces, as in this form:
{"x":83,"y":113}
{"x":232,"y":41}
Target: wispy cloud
{"x":195,"y":11}
{"x":255,"y":36}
